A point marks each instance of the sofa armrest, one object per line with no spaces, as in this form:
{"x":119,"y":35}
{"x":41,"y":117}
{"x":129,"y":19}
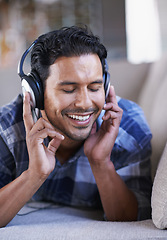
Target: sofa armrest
{"x":159,"y":193}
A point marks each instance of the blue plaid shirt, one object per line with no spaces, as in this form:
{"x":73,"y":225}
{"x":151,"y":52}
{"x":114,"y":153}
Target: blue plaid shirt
{"x":73,"y":182}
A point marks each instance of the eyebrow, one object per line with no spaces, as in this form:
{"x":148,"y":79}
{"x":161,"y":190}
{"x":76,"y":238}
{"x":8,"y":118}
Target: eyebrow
{"x":100,"y":81}
{"x":65,"y":83}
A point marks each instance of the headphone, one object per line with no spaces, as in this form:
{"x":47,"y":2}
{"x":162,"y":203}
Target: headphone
{"x":32,"y":83}
{"x":106,"y":78}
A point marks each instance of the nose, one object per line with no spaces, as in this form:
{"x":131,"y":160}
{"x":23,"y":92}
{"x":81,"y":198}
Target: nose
{"x":83,"y":99}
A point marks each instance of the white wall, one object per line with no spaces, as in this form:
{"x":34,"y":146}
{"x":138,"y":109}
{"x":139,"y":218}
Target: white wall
{"x":162,"y":8}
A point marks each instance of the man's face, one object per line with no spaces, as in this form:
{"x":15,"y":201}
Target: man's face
{"x":74,"y":95}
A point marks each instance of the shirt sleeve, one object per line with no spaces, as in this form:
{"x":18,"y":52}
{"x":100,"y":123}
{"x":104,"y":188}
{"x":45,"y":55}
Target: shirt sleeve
{"x":138,"y":180}
{"x":7,"y":165}
{"x":131,"y":155}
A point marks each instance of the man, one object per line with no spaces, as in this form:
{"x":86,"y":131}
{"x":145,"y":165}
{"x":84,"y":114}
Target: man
{"x":84,"y":150}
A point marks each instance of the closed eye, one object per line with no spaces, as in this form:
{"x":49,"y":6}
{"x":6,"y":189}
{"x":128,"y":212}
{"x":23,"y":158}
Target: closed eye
{"x":94,"y":90}
{"x":68,"y":91}
{"x":96,"y":86}
{"x":67,"y":87}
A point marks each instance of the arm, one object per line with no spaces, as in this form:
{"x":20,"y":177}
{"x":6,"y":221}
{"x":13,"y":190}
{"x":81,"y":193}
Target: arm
{"x":119,"y":203}
{"x":41,"y":163}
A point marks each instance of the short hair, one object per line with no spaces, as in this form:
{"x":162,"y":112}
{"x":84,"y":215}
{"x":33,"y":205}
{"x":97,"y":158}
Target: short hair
{"x":65,"y":42}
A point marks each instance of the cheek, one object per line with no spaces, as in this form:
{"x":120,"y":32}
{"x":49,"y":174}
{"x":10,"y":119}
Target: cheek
{"x":55,"y":104}
{"x":100,"y":100}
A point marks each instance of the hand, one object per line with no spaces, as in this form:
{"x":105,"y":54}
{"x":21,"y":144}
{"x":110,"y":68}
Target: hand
{"x":41,"y":158}
{"x":99,"y":145}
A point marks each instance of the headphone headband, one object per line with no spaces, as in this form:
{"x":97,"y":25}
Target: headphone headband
{"x":20,"y":65}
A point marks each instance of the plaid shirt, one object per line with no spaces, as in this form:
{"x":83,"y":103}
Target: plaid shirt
{"x":73,"y":183}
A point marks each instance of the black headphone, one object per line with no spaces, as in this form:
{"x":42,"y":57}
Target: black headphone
{"x":32,"y":83}
{"x":106,"y":78}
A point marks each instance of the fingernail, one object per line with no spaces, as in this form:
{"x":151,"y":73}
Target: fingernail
{"x":62,"y":137}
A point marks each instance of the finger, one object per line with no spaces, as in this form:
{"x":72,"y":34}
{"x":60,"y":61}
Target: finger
{"x":42,"y":124}
{"x":113,"y":118}
{"x":110,"y":115}
{"x":27,"y":115}
{"x":111,"y":96}
{"x":111,"y":106}
{"x":54,"y":145}
{"x":44,"y":133}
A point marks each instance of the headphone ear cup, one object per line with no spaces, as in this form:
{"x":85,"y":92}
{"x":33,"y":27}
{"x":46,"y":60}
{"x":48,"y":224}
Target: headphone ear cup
{"x":32,"y":84}
{"x":38,"y":90}
{"x":26,"y":87}
{"x":106,"y":78}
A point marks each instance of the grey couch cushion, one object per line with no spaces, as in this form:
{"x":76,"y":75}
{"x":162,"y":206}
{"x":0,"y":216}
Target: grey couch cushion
{"x":159,"y":194}
{"x":65,"y":223}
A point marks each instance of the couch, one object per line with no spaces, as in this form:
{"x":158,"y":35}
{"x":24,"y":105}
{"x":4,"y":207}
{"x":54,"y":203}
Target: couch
{"x":145,"y":84}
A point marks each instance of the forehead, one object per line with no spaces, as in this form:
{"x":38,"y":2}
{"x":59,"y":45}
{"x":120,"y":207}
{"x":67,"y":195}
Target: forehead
{"x":87,"y":65}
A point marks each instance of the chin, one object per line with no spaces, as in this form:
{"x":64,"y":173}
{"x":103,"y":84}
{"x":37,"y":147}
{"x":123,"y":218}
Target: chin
{"x":78,"y":137}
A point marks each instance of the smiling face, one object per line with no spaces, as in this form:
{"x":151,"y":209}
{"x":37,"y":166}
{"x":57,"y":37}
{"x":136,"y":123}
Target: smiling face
{"x":74,"y":95}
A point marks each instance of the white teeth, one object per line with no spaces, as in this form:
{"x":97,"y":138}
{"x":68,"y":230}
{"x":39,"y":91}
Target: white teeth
{"x":80,"y":118}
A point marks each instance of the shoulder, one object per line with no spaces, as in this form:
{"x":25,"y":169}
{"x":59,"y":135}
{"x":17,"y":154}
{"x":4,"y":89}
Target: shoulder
{"x":133,"y":143}
{"x":11,"y":119}
{"x":133,"y":119}
{"x":134,"y":132}
{"x":129,"y":106}
{"x":12,"y":110}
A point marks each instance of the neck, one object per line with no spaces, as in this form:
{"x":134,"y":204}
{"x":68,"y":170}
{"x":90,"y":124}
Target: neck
{"x":67,"y":149}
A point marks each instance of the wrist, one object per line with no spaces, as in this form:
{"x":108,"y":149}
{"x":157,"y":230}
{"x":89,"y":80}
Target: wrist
{"x":102,"y":168}
{"x":34,"y":178}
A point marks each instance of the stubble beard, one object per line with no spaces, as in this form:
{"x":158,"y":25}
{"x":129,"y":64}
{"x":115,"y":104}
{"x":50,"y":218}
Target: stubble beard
{"x":72,"y":136}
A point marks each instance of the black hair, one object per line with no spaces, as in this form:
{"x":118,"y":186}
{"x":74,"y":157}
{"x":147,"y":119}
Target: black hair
{"x":67,"y":42}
